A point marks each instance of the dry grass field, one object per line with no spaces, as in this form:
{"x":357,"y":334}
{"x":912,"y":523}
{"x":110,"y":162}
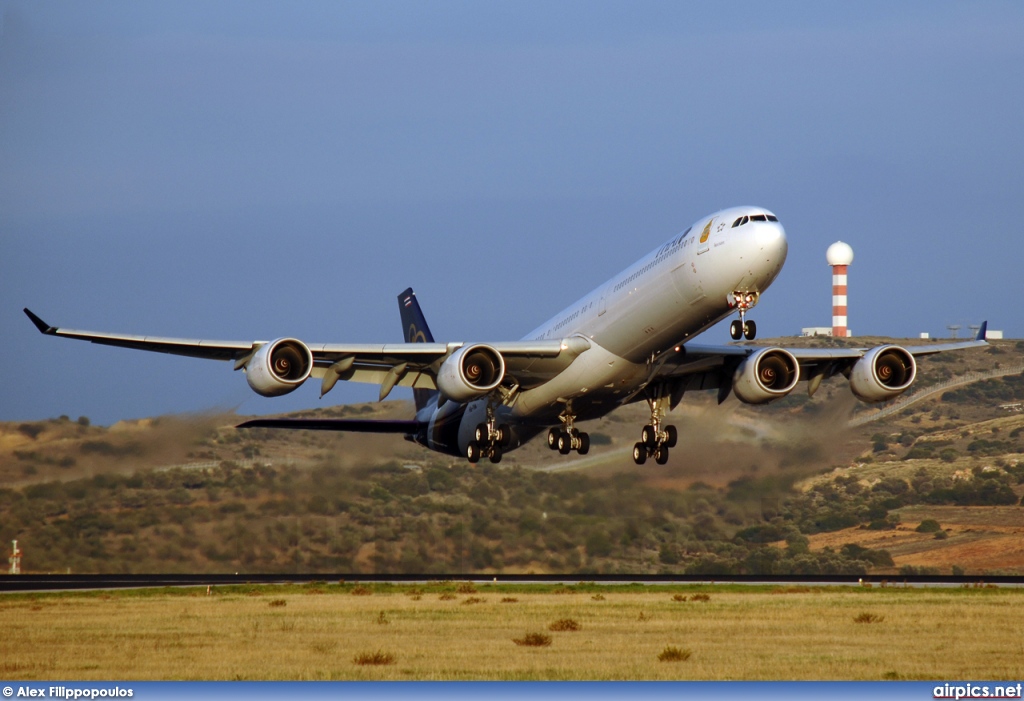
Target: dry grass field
{"x":516,"y":633}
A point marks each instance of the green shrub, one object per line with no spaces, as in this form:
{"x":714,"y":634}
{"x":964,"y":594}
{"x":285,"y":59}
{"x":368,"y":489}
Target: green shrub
{"x":674,"y":654}
{"x":533,"y":640}
{"x":374,"y":658}
{"x":564,"y":625}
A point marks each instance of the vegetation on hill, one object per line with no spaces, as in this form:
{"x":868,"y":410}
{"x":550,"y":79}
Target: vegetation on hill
{"x":95,"y":499}
{"x":393,"y":519}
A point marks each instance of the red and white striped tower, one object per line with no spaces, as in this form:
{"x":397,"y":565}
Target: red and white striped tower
{"x":839,"y":256}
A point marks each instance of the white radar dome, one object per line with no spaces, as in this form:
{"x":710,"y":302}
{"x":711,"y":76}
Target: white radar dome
{"x":839,"y":253}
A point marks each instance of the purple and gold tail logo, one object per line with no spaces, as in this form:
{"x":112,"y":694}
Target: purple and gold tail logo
{"x":415,"y":335}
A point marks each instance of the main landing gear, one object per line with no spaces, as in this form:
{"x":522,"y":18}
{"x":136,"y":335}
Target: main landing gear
{"x":656,"y":437}
{"x":568,"y":438}
{"x":489,"y":439}
{"x":741,"y":328}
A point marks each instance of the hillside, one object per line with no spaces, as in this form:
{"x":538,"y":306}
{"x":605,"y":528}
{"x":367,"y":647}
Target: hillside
{"x":790,"y":487}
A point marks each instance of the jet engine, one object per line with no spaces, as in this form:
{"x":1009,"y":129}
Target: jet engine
{"x":470,"y":372}
{"x":765,"y":375}
{"x":882,"y":373}
{"x":279,"y":367}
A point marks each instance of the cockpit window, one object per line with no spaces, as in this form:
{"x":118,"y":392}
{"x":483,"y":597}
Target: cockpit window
{"x":754,"y":217}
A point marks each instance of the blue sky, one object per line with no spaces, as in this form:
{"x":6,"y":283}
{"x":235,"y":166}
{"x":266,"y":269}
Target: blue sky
{"x":249,"y":170}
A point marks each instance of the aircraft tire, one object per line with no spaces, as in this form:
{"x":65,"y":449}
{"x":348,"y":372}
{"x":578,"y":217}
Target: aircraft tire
{"x":553,"y":438}
{"x":481,"y":433}
{"x":661,"y":457}
{"x":504,"y":435}
{"x":564,"y":443}
{"x":673,"y":436}
{"x":473,"y":452}
{"x":639,"y":453}
{"x":584,"y":444}
{"x":648,"y":436}
{"x":736,"y":329}
{"x":749,"y":330}
{"x":495,"y":456}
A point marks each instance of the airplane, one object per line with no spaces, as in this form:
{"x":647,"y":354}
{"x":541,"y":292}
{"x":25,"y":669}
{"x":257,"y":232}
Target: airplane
{"x":628,"y":340}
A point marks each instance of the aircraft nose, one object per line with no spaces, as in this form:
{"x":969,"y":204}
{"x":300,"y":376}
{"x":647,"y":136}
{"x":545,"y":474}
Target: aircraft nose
{"x":771,"y":237}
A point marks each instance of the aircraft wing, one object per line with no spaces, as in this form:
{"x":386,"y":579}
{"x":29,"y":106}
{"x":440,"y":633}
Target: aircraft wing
{"x":418,"y":363}
{"x":697,"y":367}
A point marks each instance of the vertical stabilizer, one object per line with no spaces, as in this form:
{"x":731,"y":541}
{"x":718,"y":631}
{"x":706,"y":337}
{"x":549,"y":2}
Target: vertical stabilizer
{"x":414,"y":325}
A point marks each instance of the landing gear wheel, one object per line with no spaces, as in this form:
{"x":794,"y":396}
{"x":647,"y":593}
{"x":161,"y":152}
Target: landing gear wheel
{"x":473,"y":452}
{"x":584,"y":444}
{"x":495,"y":456}
{"x":749,"y":330}
{"x":564,"y":443}
{"x":481,"y":433}
{"x":661,"y":456}
{"x":648,"y":436}
{"x":736,"y":329}
{"x":673,"y":436}
{"x":504,"y":435}
{"x":639,"y":453}
{"x":553,"y":438}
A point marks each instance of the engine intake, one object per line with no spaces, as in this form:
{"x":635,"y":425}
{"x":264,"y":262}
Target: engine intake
{"x":882,"y":373}
{"x":471,"y":372}
{"x":279,"y":367}
{"x":765,"y":375}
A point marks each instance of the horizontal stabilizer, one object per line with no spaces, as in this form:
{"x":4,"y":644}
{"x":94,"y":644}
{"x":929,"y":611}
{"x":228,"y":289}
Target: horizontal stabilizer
{"x":358,"y":425}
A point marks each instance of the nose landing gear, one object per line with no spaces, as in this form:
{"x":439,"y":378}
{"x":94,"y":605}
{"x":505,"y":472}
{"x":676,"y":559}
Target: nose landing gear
{"x":743,"y":302}
{"x":741,"y":328}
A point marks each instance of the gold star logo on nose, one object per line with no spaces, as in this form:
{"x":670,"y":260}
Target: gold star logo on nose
{"x":707,"y":232}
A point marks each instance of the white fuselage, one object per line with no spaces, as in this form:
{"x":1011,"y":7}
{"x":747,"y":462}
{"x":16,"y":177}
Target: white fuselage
{"x":670,"y":295}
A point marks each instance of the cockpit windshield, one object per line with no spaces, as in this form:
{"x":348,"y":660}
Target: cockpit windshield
{"x":754,"y":217}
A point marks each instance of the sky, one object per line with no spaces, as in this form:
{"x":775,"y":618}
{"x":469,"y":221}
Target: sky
{"x":252,"y":170}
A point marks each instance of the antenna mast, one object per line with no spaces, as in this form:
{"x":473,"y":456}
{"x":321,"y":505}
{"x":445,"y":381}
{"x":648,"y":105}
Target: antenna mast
{"x":15,"y":560}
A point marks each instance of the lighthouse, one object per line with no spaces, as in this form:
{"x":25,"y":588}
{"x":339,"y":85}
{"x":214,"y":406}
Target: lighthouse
{"x":839,"y":256}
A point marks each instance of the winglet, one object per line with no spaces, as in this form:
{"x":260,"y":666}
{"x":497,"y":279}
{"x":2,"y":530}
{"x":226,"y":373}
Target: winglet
{"x":982,"y":330}
{"x":40,"y":324}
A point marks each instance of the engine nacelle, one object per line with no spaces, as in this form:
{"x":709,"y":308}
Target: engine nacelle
{"x":765,"y":375}
{"x":470,"y":372}
{"x":279,"y":367}
{"x":882,"y":373}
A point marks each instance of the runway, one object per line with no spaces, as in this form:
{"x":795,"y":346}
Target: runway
{"x":65,"y":582}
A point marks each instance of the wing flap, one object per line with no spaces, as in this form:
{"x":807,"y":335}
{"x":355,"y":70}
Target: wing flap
{"x":355,"y":425}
